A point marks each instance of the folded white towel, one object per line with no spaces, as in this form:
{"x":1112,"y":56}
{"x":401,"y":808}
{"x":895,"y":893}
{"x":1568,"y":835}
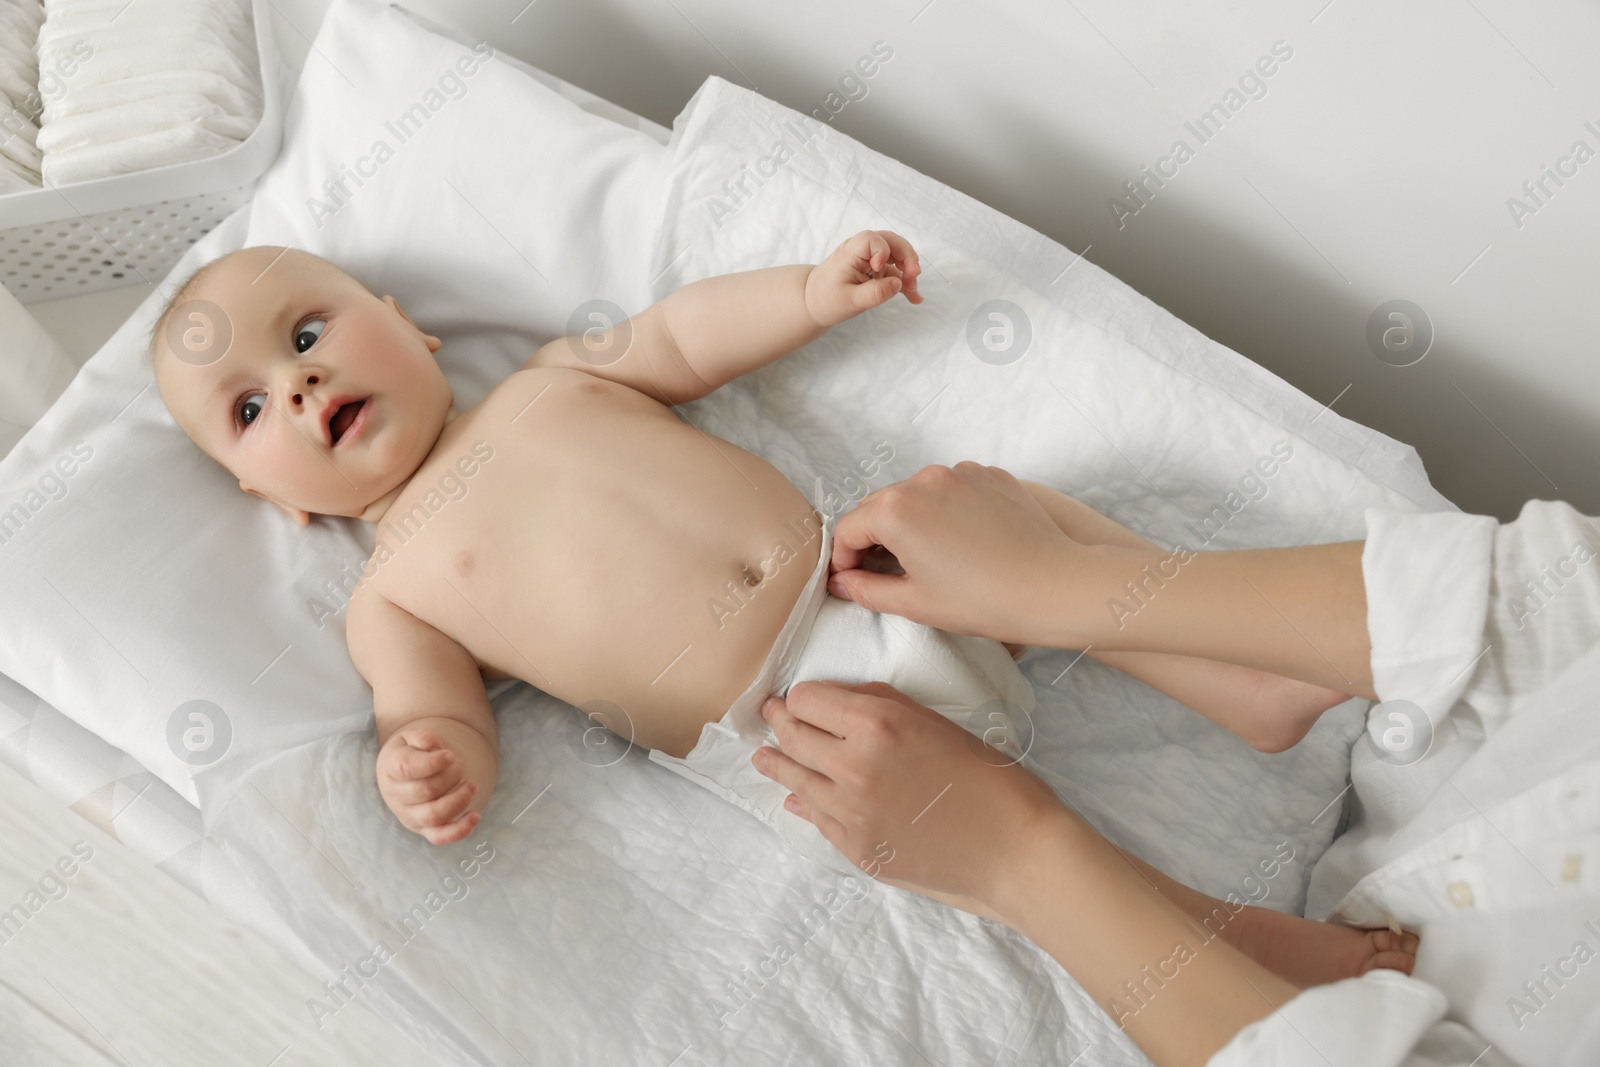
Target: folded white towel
{"x":31,"y":12}
{"x":18,"y":167}
{"x":198,"y":26}
{"x":17,"y":149}
{"x":14,"y":121}
{"x":17,"y":84}
{"x":185,"y":53}
{"x":112,"y":8}
{"x":17,"y":115}
{"x":140,"y":117}
{"x":215,"y":88}
{"x":167,"y":81}
{"x":17,"y":29}
{"x":158,"y":149}
{"x":12,"y":180}
{"x":19,"y":96}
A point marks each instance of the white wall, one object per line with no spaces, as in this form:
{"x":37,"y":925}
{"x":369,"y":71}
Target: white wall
{"x":1377,"y":166}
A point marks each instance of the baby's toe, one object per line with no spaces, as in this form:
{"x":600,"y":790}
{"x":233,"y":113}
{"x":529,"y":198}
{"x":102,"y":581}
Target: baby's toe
{"x":1391,"y":961}
{"x":1392,"y":951}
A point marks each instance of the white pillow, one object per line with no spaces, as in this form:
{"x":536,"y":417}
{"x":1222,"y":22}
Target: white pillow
{"x":34,"y":373}
{"x":144,"y":595}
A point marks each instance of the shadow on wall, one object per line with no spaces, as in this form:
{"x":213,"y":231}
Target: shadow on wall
{"x":1488,"y":441}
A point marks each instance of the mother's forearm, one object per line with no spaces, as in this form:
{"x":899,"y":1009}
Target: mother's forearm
{"x":1300,"y":612}
{"x":1179,"y":990}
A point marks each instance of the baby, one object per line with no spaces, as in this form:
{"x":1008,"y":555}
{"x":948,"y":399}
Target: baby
{"x":611,"y":554}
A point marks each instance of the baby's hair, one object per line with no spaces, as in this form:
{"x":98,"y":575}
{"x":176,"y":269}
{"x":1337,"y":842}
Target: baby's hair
{"x":178,"y":297}
{"x":185,"y":290}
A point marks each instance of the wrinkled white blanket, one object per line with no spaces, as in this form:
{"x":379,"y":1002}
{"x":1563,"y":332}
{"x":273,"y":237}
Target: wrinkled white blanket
{"x":606,"y":911}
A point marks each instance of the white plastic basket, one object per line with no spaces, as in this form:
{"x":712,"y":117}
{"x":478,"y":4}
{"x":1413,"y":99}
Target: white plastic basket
{"x":90,"y":236}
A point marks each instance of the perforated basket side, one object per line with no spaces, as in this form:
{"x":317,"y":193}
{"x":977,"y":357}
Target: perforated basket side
{"x":89,"y":236}
{"x":92,"y":253}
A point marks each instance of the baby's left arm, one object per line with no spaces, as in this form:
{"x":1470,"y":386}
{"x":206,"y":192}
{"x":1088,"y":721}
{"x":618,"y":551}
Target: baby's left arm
{"x":712,"y":331}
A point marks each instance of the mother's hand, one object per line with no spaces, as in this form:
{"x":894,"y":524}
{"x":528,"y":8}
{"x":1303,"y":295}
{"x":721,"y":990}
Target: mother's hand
{"x":975,"y":546}
{"x":907,"y":795}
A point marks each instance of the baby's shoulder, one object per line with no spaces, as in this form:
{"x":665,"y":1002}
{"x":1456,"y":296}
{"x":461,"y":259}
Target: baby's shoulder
{"x":364,"y":606}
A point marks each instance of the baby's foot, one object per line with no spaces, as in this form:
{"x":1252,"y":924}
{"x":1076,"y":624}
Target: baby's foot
{"x":1305,"y":952}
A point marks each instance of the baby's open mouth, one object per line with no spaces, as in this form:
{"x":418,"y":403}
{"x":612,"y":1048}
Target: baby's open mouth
{"x":344,"y":418}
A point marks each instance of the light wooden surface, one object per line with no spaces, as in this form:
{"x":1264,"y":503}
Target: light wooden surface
{"x":129,"y":968}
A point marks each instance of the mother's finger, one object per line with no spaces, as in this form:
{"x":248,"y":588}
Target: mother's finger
{"x":815,"y":746}
{"x":811,"y":786}
{"x":858,"y":530}
{"x":820,"y":704}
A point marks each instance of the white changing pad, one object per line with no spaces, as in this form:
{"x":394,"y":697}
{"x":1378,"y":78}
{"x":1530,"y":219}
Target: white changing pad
{"x":607,"y":912}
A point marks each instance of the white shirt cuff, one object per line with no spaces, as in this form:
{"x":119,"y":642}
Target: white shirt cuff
{"x":1427,"y":583}
{"x":1371,"y":1021}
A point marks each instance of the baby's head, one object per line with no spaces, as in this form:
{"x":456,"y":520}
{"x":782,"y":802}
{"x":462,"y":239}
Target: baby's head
{"x":314,"y":393}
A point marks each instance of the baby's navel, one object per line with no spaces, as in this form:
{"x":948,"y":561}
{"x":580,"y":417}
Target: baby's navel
{"x":465,"y":562}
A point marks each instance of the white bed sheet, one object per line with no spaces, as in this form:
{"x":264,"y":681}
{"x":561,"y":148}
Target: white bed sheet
{"x":614,"y":913}
{"x":82,"y":771}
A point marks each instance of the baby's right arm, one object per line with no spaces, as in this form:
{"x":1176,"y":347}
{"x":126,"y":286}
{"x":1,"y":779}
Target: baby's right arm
{"x":439,"y":747}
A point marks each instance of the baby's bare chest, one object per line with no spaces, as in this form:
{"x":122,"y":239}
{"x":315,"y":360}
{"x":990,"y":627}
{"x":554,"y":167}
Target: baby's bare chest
{"x":566,"y":516}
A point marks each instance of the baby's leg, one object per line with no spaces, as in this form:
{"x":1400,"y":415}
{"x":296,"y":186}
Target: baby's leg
{"x":1268,"y":711}
{"x":1301,"y":951}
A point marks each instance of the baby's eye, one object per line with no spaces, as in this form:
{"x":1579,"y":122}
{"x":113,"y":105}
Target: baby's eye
{"x":307,"y":334}
{"x":250,"y":407}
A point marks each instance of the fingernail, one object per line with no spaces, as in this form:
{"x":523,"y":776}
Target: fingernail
{"x":760,"y":759}
{"x":837,"y":589}
{"x":767,"y":707}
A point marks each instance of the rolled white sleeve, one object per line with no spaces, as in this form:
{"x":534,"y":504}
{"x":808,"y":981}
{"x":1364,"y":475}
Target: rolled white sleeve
{"x":1544,"y":604}
{"x":1517,"y":604}
{"x":1371,"y":1021}
{"x":1427,"y":581}
{"x":1493,"y":628}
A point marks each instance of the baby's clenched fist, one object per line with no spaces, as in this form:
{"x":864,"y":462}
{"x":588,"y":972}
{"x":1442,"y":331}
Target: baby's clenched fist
{"x":863,"y":272}
{"x":424,"y":783}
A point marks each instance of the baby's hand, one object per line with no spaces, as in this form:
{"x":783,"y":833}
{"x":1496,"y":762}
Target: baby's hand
{"x":424,"y":783}
{"x":865,"y":271}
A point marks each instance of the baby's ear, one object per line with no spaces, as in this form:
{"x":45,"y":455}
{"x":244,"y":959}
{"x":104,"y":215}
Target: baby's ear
{"x":299,"y":515}
{"x":433,"y":342}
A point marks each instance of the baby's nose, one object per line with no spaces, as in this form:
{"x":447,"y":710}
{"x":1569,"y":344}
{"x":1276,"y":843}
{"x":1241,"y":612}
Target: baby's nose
{"x":295,"y":397}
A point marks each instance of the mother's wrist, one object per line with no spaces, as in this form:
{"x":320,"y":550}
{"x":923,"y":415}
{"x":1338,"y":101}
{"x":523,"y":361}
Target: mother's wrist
{"x":1018,"y":886}
{"x":1072,"y":607}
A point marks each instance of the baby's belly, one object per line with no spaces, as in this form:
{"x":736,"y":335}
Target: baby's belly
{"x":659,"y":634}
{"x":615,"y":557}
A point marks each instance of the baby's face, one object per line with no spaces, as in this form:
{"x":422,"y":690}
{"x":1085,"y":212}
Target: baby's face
{"x":327,"y":398}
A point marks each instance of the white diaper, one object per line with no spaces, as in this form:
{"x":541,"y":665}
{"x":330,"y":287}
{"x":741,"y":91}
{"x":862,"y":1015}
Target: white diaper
{"x":970,"y":680}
